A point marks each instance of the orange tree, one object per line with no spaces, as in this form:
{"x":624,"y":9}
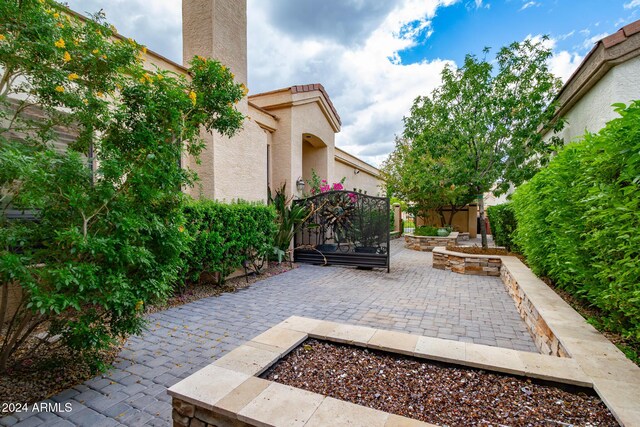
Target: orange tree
{"x":107,"y":229}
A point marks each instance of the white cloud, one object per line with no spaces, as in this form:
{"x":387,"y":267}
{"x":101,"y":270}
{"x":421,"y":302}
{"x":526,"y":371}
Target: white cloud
{"x":632,"y":4}
{"x":370,"y":87}
{"x":562,"y":63}
{"x":590,"y":41}
{"x":529,"y":4}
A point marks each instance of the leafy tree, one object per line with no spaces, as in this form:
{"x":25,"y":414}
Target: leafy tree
{"x":432,"y":184}
{"x":482,"y":125}
{"x":108,"y":229}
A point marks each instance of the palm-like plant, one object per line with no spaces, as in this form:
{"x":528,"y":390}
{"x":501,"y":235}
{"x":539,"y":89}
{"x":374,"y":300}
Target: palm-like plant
{"x":289,"y":218}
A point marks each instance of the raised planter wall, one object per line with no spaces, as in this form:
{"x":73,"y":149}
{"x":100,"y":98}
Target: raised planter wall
{"x":546,"y":341}
{"x":428,"y":243}
{"x":458,"y":262}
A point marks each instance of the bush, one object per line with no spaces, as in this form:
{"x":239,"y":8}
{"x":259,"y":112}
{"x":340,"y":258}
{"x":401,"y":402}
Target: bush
{"x":107,"y":239}
{"x":578,"y":220}
{"x":503,"y":225}
{"x":426,"y":230}
{"x":223,"y":236}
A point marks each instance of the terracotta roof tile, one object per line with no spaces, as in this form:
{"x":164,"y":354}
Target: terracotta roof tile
{"x":311,"y":88}
{"x":614,"y":39}
{"x":632,"y":28}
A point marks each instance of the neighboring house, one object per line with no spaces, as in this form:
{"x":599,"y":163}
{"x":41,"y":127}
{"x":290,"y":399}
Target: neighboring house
{"x":288,"y":132}
{"x":609,"y":74}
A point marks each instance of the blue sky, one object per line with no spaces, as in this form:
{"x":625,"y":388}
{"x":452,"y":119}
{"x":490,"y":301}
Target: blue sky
{"x":375,"y":56}
{"x":465,"y":28}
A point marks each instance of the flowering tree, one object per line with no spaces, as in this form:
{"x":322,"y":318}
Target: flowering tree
{"x":108,"y":226}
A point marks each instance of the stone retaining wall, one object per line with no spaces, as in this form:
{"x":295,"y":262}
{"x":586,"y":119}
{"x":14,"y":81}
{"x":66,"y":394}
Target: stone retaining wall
{"x":458,"y":262}
{"x":546,"y":341}
{"x":427,"y":243}
{"x":188,"y":415}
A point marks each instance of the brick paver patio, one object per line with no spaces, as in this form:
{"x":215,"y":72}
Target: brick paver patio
{"x":413,"y":298}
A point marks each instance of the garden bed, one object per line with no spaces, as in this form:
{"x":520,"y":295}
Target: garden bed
{"x":458,"y":260}
{"x":428,"y":243}
{"x":431,"y":392}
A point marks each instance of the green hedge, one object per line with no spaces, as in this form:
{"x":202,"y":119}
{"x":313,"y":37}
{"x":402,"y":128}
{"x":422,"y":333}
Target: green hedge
{"x":223,"y":236}
{"x":503,"y":225}
{"x":579,"y":220}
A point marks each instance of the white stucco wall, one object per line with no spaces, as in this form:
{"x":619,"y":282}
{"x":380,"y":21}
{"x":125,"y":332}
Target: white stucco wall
{"x":593,"y":110}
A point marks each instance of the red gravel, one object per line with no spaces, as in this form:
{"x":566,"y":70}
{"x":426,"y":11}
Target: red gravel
{"x":445,"y":395}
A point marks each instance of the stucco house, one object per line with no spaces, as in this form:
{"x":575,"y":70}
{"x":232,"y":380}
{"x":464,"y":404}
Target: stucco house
{"x":288,"y":132}
{"x":609,"y":74}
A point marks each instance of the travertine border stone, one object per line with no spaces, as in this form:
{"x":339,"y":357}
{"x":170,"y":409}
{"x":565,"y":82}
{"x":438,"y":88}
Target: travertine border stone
{"x":227,"y":393}
{"x":428,"y":243}
{"x":558,"y":330}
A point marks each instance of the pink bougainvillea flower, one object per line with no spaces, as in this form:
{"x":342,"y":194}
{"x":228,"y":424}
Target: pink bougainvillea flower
{"x":338,"y":186}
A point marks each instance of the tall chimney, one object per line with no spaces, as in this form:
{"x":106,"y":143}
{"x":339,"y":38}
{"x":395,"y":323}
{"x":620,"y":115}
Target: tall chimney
{"x":216,"y":29}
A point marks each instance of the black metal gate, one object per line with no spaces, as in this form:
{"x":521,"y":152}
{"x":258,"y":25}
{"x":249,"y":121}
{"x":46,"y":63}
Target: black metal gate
{"x":344,"y":228}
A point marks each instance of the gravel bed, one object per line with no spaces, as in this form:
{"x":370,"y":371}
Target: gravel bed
{"x":445,"y":395}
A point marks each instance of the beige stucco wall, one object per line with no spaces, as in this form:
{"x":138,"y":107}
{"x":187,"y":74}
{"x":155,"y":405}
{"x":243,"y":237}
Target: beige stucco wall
{"x":233,"y":168}
{"x":367,"y":179}
{"x":464,"y":221}
{"x":594,"y":110}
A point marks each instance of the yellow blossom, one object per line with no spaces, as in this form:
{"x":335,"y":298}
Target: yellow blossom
{"x":201,"y":58}
{"x":95,"y":51}
{"x":181,"y":229}
{"x":86,"y":101}
{"x":66,"y":57}
{"x":60,"y":25}
{"x":245,"y":90}
{"x":56,"y":15}
{"x":2,"y":37}
{"x":104,"y":57}
{"x":41,"y":1}
{"x":99,"y":94}
{"x":193,"y":97}
{"x":144,"y":49}
{"x":142,"y":80}
{"x":139,"y":305}
{"x":148,"y":77}
{"x":59,"y":89}
{"x":60,"y":43}
{"x":73,"y":76}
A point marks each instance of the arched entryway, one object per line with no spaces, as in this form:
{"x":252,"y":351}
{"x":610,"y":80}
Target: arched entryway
{"x":315,"y":156}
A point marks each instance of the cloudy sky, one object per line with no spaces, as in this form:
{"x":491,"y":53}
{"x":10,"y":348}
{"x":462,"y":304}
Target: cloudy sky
{"x":375,"y":56}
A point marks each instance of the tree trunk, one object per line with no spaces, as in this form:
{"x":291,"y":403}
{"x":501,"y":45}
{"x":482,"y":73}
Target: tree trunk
{"x":483,"y":224}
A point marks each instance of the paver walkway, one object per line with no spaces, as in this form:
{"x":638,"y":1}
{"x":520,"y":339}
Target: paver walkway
{"x":414,"y":298}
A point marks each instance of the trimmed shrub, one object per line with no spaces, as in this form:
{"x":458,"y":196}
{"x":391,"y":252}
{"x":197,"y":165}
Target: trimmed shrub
{"x":426,"y":230}
{"x":578,"y":220}
{"x":503,"y":225}
{"x":224,"y":236}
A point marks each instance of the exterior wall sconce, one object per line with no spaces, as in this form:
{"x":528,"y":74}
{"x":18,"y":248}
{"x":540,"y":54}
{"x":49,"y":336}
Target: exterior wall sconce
{"x":356,"y":171}
{"x":300,"y":184}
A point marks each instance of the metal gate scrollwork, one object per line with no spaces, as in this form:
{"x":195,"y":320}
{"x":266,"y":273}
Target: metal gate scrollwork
{"x":344,"y":228}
